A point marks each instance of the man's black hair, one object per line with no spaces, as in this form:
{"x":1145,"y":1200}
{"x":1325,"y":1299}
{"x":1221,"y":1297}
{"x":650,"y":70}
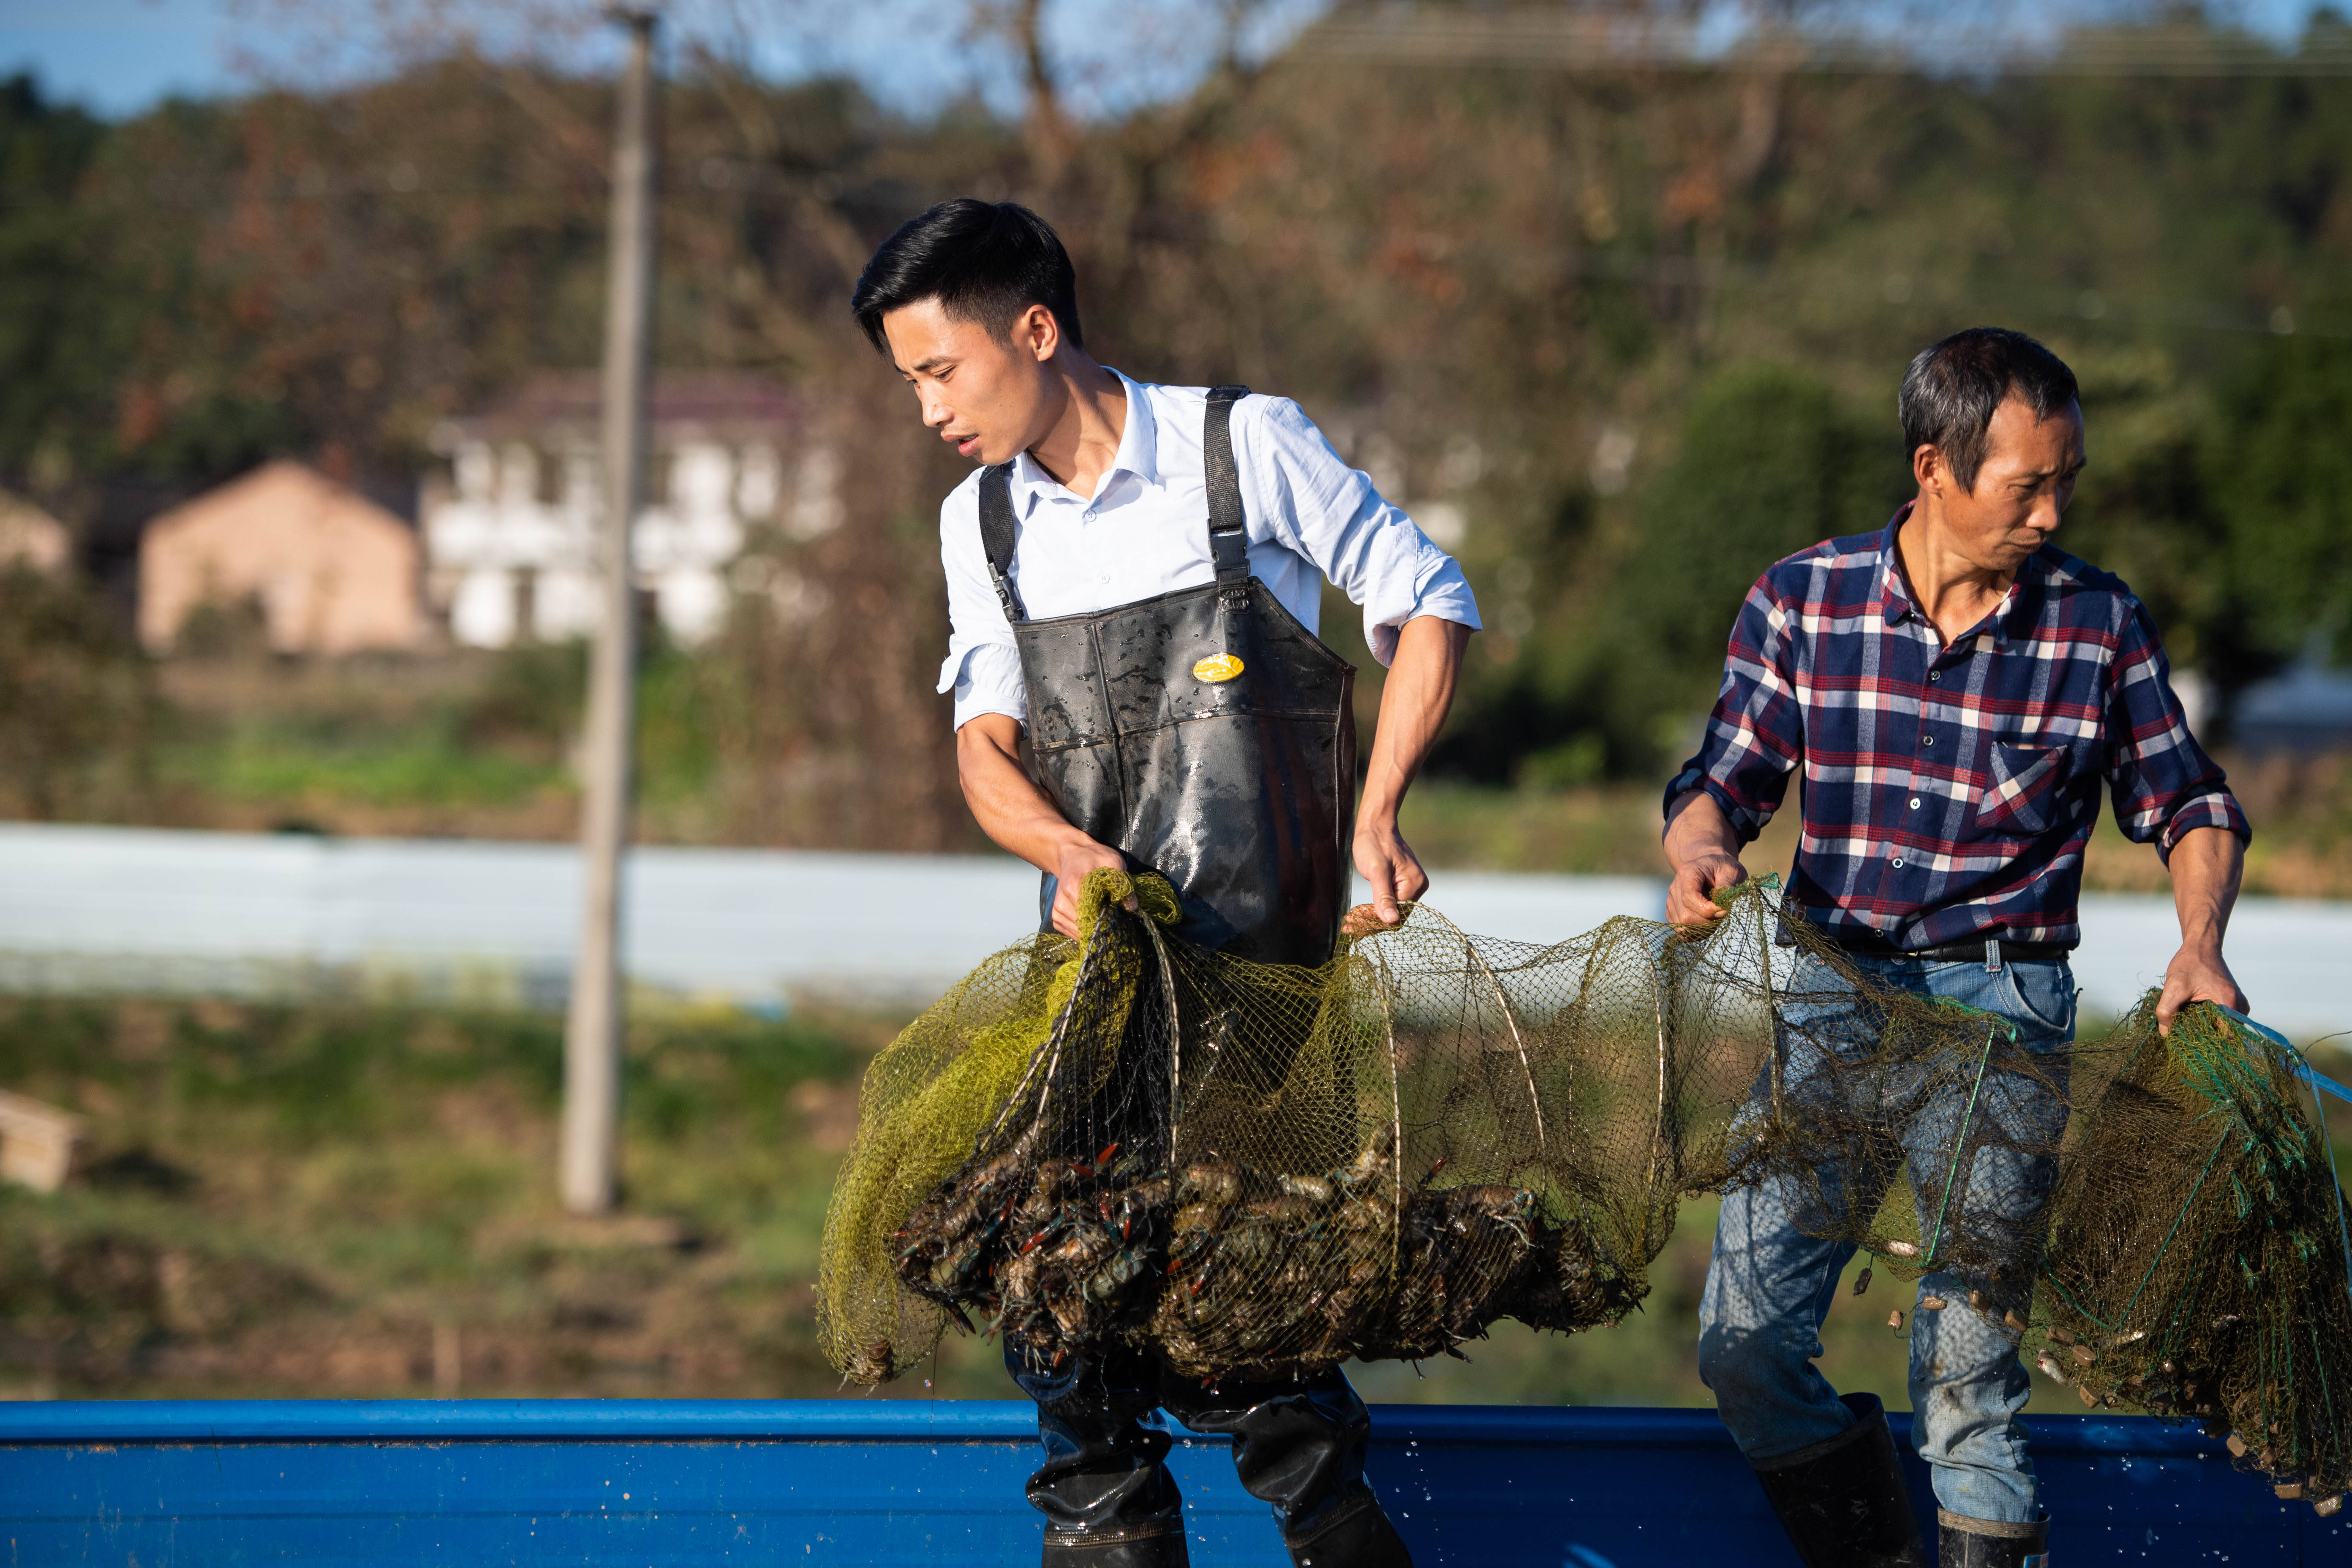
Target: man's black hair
{"x":983,"y":261}
{"x":1950,"y":391}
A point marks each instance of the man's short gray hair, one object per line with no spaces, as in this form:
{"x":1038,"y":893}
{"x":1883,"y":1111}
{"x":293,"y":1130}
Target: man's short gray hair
{"x":1950,"y":391}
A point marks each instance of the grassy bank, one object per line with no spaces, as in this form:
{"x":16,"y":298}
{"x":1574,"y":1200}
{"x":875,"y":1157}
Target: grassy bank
{"x":282,"y":1200}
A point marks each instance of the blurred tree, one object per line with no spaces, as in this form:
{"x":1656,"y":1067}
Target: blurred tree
{"x":2281,"y":474}
{"x":2145,"y":511}
{"x":233,"y":631}
{"x":57,"y":363}
{"x":1770,"y":461}
{"x":77,"y":704}
{"x":821,"y":690}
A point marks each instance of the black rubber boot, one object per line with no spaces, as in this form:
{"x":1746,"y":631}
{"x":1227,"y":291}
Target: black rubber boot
{"x":1352,"y":1534}
{"x":1097,"y":1549}
{"x":1104,"y":1489}
{"x":1843,"y":1502}
{"x":1987,"y":1543}
{"x":1300,"y":1446}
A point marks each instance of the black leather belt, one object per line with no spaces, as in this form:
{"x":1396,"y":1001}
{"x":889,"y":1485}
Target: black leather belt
{"x":1970,"y":949}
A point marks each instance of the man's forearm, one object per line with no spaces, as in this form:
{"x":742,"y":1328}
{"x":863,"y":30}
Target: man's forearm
{"x":1696,"y":828}
{"x":1702,"y":852}
{"x":1013,"y":812}
{"x":1004,"y":800}
{"x":1415,"y":701}
{"x":2207,"y":865}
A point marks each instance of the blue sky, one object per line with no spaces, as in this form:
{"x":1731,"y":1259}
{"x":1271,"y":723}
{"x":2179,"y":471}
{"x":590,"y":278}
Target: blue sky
{"x":118,"y":57}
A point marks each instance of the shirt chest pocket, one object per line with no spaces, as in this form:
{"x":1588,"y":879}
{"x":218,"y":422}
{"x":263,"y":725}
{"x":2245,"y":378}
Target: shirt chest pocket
{"x":2022,"y":786}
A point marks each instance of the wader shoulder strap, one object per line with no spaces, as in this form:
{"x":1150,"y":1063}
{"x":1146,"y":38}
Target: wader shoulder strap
{"x":1228,"y":527}
{"x":996,"y":531}
{"x":1228,"y":524}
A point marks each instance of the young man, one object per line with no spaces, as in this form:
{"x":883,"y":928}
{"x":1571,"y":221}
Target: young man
{"x":1957,"y":692}
{"x":1133,"y":578}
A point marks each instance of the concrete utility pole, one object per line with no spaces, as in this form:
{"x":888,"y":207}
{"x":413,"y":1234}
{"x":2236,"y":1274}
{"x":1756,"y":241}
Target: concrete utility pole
{"x":592,"y":1039}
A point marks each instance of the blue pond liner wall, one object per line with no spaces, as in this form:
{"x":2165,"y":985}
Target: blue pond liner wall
{"x":652,"y":1483}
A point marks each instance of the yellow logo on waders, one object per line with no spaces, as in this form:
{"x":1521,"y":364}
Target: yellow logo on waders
{"x":1217,"y":666}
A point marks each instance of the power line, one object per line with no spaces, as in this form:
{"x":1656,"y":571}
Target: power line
{"x":1599,"y":43}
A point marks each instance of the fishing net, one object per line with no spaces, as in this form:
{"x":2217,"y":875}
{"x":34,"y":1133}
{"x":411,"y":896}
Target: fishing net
{"x":1266,"y":1169}
{"x":1262,"y":1171}
{"x":2197,"y":1261}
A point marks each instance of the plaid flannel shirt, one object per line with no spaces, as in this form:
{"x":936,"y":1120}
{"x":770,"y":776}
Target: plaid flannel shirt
{"x":1948,"y":791}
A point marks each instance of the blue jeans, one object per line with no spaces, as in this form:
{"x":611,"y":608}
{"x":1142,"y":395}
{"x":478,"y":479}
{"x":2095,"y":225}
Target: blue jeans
{"x":1773,"y":1279}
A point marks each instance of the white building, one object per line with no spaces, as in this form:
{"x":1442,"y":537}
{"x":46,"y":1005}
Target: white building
{"x":509,"y":523}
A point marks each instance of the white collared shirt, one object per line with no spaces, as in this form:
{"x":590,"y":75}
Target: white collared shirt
{"x":1146,"y":533}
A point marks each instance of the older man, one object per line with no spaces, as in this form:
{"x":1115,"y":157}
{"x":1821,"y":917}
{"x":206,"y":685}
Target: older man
{"x":1957,"y":692}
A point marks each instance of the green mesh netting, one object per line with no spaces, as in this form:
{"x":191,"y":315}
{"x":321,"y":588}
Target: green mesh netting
{"x":2196,"y":1262}
{"x":950,"y":1077}
{"x":1261,"y":1171}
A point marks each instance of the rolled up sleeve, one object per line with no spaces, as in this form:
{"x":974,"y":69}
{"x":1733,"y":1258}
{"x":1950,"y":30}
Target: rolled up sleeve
{"x":2162,"y":782}
{"x":1332,"y":515}
{"x":1756,"y":734}
{"x":984,"y":664}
